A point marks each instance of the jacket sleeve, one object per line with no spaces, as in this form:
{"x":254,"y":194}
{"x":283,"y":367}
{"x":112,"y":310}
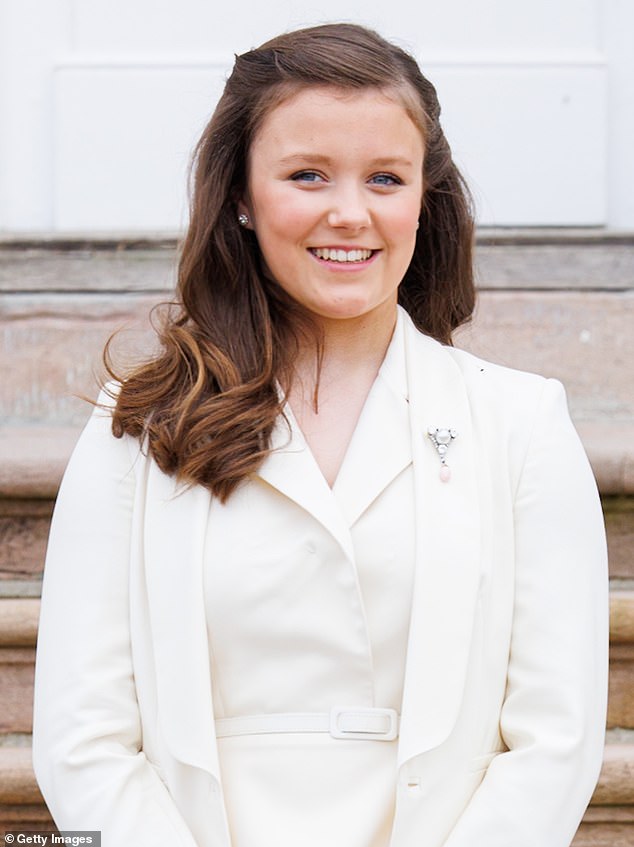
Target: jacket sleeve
{"x":553,"y":717}
{"x":87,"y":743}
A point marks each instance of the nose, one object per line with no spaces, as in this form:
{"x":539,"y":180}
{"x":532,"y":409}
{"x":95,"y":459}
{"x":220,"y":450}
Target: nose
{"x":349,"y":209}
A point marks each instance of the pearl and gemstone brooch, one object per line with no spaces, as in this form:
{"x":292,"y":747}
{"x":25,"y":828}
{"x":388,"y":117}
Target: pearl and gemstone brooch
{"x":441,"y":438}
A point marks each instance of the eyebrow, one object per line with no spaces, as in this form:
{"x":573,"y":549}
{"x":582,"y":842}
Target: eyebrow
{"x":317,"y":158}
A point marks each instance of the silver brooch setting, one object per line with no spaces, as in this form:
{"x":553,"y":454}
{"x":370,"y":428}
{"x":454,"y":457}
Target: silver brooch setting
{"x":441,"y":438}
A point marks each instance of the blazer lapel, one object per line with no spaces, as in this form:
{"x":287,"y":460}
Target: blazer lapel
{"x":175,"y":527}
{"x":291,"y":468}
{"x":373,"y":460}
{"x":380,"y":446}
{"x":447,"y":548}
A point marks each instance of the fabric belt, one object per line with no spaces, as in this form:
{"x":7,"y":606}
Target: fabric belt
{"x":363,"y":724}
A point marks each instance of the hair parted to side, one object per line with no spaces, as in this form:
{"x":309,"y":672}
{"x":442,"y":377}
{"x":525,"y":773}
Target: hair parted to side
{"x":206,"y":404}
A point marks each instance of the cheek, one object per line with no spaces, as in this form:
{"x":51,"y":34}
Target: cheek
{"x":413,"y":210}
{"x":402,"y":211}
{"x":282,"y":214}
{"x":403,"y":225}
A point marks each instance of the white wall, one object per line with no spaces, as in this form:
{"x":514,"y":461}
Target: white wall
{"x":102,"y":100}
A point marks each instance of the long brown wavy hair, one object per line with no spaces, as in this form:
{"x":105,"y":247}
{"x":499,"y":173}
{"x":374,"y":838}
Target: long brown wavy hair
{"x":205,"y":405}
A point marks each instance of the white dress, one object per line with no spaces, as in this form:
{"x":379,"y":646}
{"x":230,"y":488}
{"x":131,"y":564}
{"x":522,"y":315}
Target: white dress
{"x":298,"y":625}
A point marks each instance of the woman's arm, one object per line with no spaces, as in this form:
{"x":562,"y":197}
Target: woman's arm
{"x":553,"y":718}
{"x":87,"y":743}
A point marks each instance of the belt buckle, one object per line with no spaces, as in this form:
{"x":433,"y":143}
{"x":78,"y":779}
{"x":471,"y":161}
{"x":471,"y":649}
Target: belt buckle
{"x":385,"y":721}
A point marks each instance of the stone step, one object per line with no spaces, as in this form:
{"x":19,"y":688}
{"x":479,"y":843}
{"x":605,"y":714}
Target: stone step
{"x":609,"y":821}
{"x":18,"y":631}
{"x":545,"y":259}
{"x":559,"y":303}
{"x":621,"y":690}
{"x":21,"y":804}
{"x":52,"y":346}
{"x":33,"y":458}
{"x":18,"y":634}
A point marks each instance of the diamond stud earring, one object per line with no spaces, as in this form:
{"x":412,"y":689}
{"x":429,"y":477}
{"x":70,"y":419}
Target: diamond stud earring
{"x":243,"y":219}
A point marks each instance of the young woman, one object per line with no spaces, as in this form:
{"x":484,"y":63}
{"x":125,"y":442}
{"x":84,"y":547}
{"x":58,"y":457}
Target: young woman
{"x":315,"y":576}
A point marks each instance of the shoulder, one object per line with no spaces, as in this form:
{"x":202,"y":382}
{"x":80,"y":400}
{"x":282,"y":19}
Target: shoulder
{"x":98,"y":453}
{"x":108,"y":395}
{"x":498,"y":381}
{"x":513,"y":407}
{"x":525,"y":417}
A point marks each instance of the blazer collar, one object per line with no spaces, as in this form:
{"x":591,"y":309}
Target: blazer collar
{"x":380,"y":446}
{"x":291,"y":468}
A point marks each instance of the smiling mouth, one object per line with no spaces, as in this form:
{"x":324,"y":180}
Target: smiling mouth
{"x":332,"y":255}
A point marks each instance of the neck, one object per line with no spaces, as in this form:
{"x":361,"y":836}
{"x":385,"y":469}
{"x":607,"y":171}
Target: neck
{"x":351,"y":347}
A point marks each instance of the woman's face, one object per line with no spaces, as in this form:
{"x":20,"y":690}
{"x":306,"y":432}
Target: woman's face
{"x":334,"y":194}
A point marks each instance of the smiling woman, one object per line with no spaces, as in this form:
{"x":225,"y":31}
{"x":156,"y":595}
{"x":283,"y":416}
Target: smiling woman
{"x":291,"y":621}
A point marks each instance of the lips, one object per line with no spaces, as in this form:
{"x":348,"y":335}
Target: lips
{"x":336,"y":254}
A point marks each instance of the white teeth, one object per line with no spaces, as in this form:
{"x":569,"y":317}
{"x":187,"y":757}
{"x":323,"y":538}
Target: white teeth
{"x":342,"y":255}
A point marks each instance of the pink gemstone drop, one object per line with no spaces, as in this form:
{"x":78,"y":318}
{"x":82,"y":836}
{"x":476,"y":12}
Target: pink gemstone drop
{"x":445,"y":474}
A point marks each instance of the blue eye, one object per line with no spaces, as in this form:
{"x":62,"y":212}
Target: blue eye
{"x":385,"y":179}
{"x":306,"y":176}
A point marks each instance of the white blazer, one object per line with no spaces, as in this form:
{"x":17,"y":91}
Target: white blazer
{"x":504,"y":702}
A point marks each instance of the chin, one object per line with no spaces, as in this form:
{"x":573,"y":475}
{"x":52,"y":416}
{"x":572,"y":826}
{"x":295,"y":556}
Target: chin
{"x":356,"y":308}
{"x":345,"y":311}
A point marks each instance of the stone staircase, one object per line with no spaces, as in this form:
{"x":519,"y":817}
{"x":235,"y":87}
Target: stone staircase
{"x":560,"y":303}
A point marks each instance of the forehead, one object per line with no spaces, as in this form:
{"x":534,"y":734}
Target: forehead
{"x":325,"y":116}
